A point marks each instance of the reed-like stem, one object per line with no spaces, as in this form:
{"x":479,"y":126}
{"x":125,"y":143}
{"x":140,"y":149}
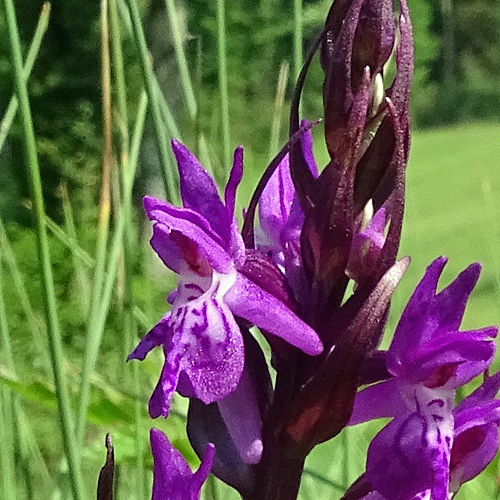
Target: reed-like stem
{"x":115,"y":251}
{"x":92,"y":340}
{"x":180,"y":54}
{"x":53,"y":327}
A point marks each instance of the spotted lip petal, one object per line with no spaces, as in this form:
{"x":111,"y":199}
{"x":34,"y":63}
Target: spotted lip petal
{"x":405,"y":458}
{"x":205,"y":346}
{"x":172,"y":477}
{"x":157,"y":336}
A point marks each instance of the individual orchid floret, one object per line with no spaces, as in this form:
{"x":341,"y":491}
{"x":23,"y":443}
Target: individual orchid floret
{"x":428,"y":359}
{"x":475,"y":445}
{"x":172,"y":476}
{"x":281,"y":216}
{"x":202,"y":343}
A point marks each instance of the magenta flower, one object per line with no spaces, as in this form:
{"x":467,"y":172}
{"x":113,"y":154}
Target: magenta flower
{"x":475,"y":441}
{"x":428,"y":359}
{"x":203,"y":345}
{"x":172,"y":477}
{"x":281,"y":216}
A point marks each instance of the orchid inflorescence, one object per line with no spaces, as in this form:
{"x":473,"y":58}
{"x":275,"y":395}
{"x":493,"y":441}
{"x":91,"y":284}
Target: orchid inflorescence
{"x":316,"y":275}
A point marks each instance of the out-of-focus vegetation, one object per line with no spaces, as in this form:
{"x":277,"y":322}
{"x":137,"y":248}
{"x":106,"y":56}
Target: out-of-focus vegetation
{"x":453,"y":200}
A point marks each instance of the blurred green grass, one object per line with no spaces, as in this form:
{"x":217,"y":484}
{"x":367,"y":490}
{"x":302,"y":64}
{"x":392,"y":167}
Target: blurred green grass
{"x":453,"y":194}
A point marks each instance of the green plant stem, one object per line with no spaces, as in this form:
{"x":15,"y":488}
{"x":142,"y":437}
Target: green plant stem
{"x":180,"y":54}
{"x":223,"y":85}
{"x":14,"y":424}
{"x":298,"y":36}
{"x":129,"y":323}
{"x":53,"y":327}
{"x":168,"y":175}
{"x":119,"y":74}
{"x":24,"y":300}
{"x":166,"y":112}
{"x":81,"y":276}
{"x":102,"y":229}
{"x":33,"y":50}
{"x":71,"y":243}
{"x":185,"y":76}
{"x":6,"y":407}
{"x":278,"y":110}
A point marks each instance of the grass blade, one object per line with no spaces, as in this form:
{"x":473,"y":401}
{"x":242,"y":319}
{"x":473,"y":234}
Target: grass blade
{"x":186,"y":82}
{"x":278,"y":110}
{"x":36,"y":42}
{"x":53,"y":327}
{"x":223,"y":86}
{"x":298,"y":37}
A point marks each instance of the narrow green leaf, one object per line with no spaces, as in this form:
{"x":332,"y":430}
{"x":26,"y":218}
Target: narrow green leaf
{"x":54,"y":334}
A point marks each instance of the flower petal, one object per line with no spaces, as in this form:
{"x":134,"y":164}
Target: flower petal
{"x":483,"y":394}
{"x":209,"y":246}
{"x":452,"y":359}
{"x":159,"y":402}
{"x":449,"y":304}
{"x":205,"y":425}
{"x":199,"y":192}
{"x":157,"y":210}
{"x":252,"y":303}
{"x":172,"y":477}
{"x":402,"y":463}
{"x":240,"y":411}
{"x":378,"y":401}
{"x":158,"y":335}
{"x":306,"y":140}
{"x":212,"y":347}
{"x":476,"y":442}
{"x":412,"y":329}
{"x":234,"y":180}
{"x":276,"y":201}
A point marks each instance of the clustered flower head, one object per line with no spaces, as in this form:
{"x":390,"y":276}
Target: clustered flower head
{"x":308,"y":233}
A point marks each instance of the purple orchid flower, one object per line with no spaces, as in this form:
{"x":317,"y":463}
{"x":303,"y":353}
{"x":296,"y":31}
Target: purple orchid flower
{"x":475,"y":438}
{"x":203,"y":346}
{"x":428,"y":359}
{"x":172,"y":476}
{"x":281,"y":216}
